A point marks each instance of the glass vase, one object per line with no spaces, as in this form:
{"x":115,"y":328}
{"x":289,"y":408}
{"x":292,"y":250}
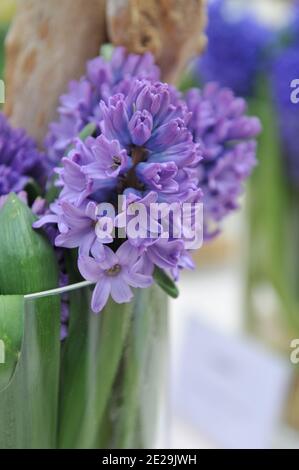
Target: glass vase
{"x":102,"y":387}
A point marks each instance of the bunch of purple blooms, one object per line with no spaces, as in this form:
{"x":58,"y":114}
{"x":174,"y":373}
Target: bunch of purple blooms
{"x":151,"y":145}
{"x":236,"y":48}
{"x":227,"y":137}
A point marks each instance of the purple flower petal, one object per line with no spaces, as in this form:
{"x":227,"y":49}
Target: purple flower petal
{"x":90,"y":269}
{"x":120,"y":291}
{"x":100,"y":295}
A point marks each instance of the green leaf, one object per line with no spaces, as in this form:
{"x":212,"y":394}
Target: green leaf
{"x":29,"y":402}
{"x":11,"y":334}
{"x":29,"y":380}
{"x":188,"y":80}
{"x":107,"y":51}
{"x":166,"y":283}
{"x":53,"y":191}
{"x":87,"y":131}
{"x":33,"y":190}
{"x":27,"y":262}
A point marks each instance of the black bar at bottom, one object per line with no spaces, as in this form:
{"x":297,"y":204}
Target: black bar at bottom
{"x":152,"y":458}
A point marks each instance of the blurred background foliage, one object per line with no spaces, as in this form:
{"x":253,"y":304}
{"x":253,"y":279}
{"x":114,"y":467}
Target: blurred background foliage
{"x":7,"y":10}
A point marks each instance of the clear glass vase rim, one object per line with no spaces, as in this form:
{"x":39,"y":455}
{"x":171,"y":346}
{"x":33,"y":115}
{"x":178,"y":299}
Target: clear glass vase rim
{"x":58,"y":291}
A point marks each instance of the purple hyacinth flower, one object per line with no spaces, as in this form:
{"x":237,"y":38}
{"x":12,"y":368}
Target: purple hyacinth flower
{"x":80,"y":105}
{"x":170,"y":142}
{"x":108,"y":159}
{"x":114,"y":275}
{"x":132,"y":205}
{"x":74,"y":177}
{"x":80,"y":223}
{"x":159,"y":176}
{"x":76,"y":185}
{"x":227,"y":135}
{"x":185,"y":262}
{"x":163,"y":253}
{"x":151,"y":145}
{"x":140,"y":127}
{"x":77,"y":226}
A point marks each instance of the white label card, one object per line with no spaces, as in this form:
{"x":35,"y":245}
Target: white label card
{"x":230,"y":388}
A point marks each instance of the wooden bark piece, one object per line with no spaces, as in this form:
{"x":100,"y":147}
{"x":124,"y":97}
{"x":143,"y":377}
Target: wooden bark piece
{"x":50,"y":41}
{"x":47,"y":46}
{"x":171,"y":29}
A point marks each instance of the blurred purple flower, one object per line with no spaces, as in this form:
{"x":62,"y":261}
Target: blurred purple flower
{"x":19,"y":159}
{"x":235,"y":51}
{"x":285,"y":70}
